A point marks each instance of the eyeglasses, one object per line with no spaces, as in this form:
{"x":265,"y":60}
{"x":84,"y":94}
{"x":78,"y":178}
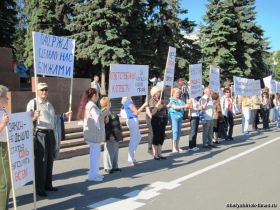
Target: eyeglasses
{"x":227,"y":92}
{"x":45,"y":89}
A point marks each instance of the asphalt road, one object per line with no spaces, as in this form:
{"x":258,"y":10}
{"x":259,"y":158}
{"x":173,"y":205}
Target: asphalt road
{"x":245,"y":171}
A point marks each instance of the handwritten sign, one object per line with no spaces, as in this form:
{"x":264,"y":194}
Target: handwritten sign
{"x":170,"y":67}
{"x":196,"y":80}
{"x":246,"y":87}
{"x":53,"y":55}
{"x":267,"y":81}
{"x":214,"y":78}
{"x":20,"y":129}
{"x":128,"y":80}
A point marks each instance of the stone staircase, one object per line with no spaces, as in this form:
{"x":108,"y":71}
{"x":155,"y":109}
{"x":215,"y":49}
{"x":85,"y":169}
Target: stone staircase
{"x":74,"y":144}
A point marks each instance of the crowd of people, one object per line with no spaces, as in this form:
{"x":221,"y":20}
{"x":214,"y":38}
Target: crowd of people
{"x":213,"y":110}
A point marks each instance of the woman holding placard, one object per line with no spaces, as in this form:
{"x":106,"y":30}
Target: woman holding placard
{"x":5,"y":180}
{"x":132,"y":122}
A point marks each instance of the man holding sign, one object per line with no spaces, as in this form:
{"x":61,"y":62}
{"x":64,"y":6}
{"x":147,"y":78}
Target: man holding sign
{"x":5,"y":178}
{"x":44,"y":140}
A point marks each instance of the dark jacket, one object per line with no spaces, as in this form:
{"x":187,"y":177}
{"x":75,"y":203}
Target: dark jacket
{"x":113,"y":127}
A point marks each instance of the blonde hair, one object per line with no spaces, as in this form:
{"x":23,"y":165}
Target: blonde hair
{"x":124,"y":99}
{"x":174,"y":90}
{"x":104,"y":101}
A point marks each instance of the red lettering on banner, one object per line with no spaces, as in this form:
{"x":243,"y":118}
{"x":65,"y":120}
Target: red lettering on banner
{"x":194,"y":82}
{"x":120,"y":88}
{"x":123,"y":76}
{"x":23,"y":153}
{"x":19,"y":175}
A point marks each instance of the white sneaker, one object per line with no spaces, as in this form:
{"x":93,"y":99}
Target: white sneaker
{"x":196,"y":149}
{"x":180,"y":150}
{"x":100,"y":176}
{"x":95,"y":179}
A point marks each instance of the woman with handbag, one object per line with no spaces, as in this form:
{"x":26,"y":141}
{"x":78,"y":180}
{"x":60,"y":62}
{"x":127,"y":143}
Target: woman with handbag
{"x":93,"y":128}
{"x":176,"y":110}
{"x":133,"y":124}
{"x":158,"y":121}
{"x":217,"y":117}
{"x":113,"y":133}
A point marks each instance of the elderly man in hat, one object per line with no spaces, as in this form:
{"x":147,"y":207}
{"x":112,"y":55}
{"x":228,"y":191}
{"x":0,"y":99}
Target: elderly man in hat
{"x":44,"y":140}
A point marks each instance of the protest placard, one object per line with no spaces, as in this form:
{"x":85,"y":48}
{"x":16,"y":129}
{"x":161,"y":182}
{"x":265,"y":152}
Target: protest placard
{"x":53,"y":55}
{"x":128,"y":80}
{"x":267,"y":81}
{"x":170,"y":67}
{"x":20,"y":130}
{"x":195,"y":80}
{"x":214,"y":83}
{"x":246,"y":87}
{"x":273,"y":87}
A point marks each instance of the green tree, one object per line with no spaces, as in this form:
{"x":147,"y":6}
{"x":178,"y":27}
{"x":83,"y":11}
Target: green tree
{"x":98,"y":28}
{"x":252,"y":48}
{"x":8,"y":22}
{"x":232,"y":40}
{"x":276,"y":64}
{"x":218,"y":39}
{"x":165,"y":28}
{"x":42,"y":18}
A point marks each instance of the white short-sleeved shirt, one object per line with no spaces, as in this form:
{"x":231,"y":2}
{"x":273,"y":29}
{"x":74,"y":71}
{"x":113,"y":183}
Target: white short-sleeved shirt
{"x":209,"y":108}
{"x":47,"y":114}
{"x":3,"y":135}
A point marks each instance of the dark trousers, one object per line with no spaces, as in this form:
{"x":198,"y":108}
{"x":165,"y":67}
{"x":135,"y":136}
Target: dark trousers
{"x":254,"y":119}
{"x":229,"y":124}
{"x":265,"y":115}
{"x":158,"y":125}
{"x":194,"y":130}
{"x":44,"y":147}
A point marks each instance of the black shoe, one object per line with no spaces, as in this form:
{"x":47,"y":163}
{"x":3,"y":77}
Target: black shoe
{"x":116,"y":169}
{"x":42,"y":194}
{"x":213,"y":146}
{"x":162,"y":158}
{"x":53,"y":189}
{"x":108,"y":171}
{"x":156,"y":158}
{"x":216,"y":142}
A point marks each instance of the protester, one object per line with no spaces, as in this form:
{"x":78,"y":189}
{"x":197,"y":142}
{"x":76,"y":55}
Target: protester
{"x":158,"y":122}
{"x":150,"y":129}
{"x":246,"y":104}
{"x":207,"y":105}
{"x":113,"y":135}
{"x":133,"y":124}
{"x":256,"y":105}
{"x":5,"y":177}
{"x":195,"y":108}
{"x":44,"y":139}
{"x":227,"y":111}
{"x":96,"y":85}
{"x":276,"y":103}
{"x":217,"y":117}
{"x":93,"y":129}
{"x":176,"y":111}
{"x":265,"y":104}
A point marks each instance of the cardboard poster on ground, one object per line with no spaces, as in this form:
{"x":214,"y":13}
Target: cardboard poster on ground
{"x":170,"y":67}
{"x":214,"y":83}
{"x":246,"y":87}
{"x":20,"y":128}
{"x":128,"y":80}
{"x":195,"y":80}
{"x":53,"y":55}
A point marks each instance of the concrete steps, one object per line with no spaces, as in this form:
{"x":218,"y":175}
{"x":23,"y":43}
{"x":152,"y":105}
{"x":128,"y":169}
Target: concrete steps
{"x":74,"y":144}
